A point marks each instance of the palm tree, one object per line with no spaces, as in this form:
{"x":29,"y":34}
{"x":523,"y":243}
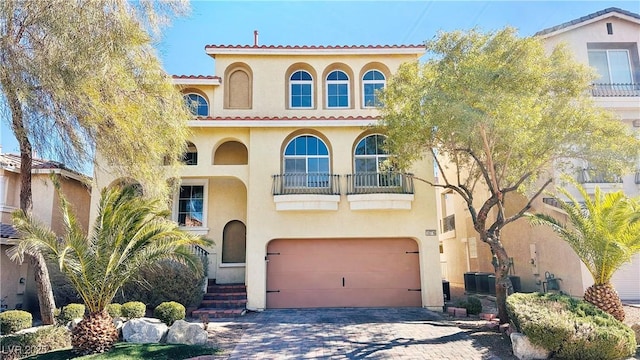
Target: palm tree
{"x":131,"y":232}
{"x":604,"y":232}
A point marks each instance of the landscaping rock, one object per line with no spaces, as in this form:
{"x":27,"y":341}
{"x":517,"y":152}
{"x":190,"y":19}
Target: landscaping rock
{"x":523,"y":349}
{"x":636,"y":329}
{"x":144,"y":330}
{"x":182,"y":332}
{"x":71,"y":324}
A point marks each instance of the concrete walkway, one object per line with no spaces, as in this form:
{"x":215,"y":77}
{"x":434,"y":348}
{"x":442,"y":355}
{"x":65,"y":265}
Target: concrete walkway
{"x":407,"y":333}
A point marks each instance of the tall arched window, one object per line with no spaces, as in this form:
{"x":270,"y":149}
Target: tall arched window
{"x":368,"y":157}
{"x":301,"y":90}
{"x":337,"y":89}
{"x":372,"y":81}
{"x":197,"y":104}
{"x":306,"y":162}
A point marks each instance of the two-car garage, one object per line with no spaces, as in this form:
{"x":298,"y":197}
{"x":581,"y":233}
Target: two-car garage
{"x":360,"y":272}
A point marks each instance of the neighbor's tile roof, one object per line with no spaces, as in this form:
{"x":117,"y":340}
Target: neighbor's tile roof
{"x":314,"y":47}
{"x":13,"y":160}
{"x":586,"y":18}
{"x":196,"y":77}
{"x":292,"y":118}
{"x":8,"y":232}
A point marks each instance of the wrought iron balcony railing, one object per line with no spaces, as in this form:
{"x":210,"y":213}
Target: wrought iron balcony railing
{"x":592,"y":176}
{"x":379,"y":183}
{"x":610,"y":90}
{"x":306,"y":183}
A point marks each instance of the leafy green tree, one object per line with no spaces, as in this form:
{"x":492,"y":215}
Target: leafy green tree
{"x":76,"y":76}
{"x":497,"y":112}
{"x":130,"y":233}
{"x":604,"y":231}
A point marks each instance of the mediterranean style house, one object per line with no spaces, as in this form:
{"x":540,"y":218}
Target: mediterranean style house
{"x":608,"y":41}
{"x":286,"y":174}
{"x":17,"y":285}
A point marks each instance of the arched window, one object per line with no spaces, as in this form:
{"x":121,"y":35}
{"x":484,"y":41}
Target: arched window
{"x":372,"y":81}
{"x":234,"y":242}
{"x":301,"y":90}
{"x":368,"y":157}
{"x":197,"y":104}
{"x":306,"y":162}
{"x":190,"y":157}
{"x":337,"y":89}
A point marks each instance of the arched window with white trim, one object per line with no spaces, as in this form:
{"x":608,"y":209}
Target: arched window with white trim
{"x":301,"y":90}
{"x":197,"y":104}
{"x":306,"y":163}
{"x":372,"y":81}
{"x":337,"y":89}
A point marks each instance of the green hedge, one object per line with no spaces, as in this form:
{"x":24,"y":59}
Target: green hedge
{"x":68,"y":313}
{"x":169,"y":312}
{"x":472,"y":304}
{"x":114,"y":310}
{"x":133,"y":309}
{"x":14,"y":320}
{"x":569,"y":328}
{"x":169,"y":281}
{"x":43,"y":340}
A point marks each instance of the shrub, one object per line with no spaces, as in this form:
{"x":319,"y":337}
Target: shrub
{"x":114,"y":310}
{"x":569,"y":328}
{"x":63,"y":291}
{"x":169,"y":281}
{"x":133,"y":309}
{"x":14,"y":320}
{"x":472,"y":304}
{"x":68,"y":313}
{"x":169,"y":312}
{"x":43,"y":340}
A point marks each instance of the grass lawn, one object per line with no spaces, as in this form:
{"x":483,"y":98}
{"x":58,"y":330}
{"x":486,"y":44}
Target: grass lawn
{"x":129,"y":351}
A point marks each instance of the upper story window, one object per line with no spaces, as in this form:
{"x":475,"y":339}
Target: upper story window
{"x":368,"y":158}
{"x":613,"y":66}
{"x":190,"y":157}
{"x":301,"y":90}
{"x":337,"y":89}
{"x":306,"y":162}
{"x":372,"y":81}
{"x":197,"y":104}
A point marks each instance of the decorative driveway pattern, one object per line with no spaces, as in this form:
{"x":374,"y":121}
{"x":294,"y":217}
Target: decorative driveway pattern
{"x":388,"y":333}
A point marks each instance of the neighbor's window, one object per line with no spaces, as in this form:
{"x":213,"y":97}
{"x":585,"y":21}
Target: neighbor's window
{"x":337,"y":89}
{"x":301,"y":90}
{"x":191,"y":206}
{"x":197,"y":104}
{"x":372,"y":81}
{"x":613,"y":66}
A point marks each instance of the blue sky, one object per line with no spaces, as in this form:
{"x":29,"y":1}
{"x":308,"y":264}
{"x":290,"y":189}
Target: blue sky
{"x":344,"y":23}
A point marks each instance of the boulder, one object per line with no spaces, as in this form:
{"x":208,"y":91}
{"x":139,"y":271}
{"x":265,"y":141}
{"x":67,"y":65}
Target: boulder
{"x":144,"y":330}
{"x":72,"y":324}
{"x":523,"y":349}
{"x":636,"y":329}
{"x":182,"y":332}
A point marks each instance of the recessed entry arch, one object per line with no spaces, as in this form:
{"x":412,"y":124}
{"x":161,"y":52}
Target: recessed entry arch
{"x":234,"y":242}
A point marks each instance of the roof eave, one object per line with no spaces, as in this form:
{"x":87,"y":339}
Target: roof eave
{"x":543,"y":34}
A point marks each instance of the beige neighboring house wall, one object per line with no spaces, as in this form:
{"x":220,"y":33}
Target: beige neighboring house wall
{"x":17,"y":280}
{"x":538,"y":252}
{"x":240,"y":146}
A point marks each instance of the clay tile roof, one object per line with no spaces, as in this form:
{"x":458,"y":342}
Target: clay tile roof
{"x":287,"y":118}
{"x":196,"y":77}
{"x":313,"y":47}
{"x":13,"y":161}
{"x":586,"y":18}
{"x":8,"y":232}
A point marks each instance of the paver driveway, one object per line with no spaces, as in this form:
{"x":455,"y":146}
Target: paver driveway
{"x":398,"y":333}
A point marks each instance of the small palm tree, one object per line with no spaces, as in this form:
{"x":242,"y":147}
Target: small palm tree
{"x":604,"y":232}
{"x":130,"y":233}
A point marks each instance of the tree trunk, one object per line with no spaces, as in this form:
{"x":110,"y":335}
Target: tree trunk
{"x":45,"y":291}
{"x":503,"y":283}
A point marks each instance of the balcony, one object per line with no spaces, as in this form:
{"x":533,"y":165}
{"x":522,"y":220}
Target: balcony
{"x":306,"y":191}
{"x":379,"y":183}
{"x":615,"y":90}
{"x":593,"y":176}
{"x":380,"y":191}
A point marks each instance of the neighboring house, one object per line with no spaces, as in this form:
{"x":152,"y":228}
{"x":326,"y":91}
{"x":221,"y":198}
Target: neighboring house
{"x":608,"y":41}
{"x":17,"y":283}
{"x":284,"y":173}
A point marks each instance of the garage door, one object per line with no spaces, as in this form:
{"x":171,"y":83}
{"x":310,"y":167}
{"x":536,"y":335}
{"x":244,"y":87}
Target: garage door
{"x":627,"y":280}
{"x":343,"y":273}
